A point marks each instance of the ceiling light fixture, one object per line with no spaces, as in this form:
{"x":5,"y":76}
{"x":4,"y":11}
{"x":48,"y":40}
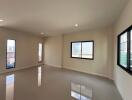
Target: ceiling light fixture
{"x":76,"y":25}
{"x":42,"y":33}
{"x":1,"y":20}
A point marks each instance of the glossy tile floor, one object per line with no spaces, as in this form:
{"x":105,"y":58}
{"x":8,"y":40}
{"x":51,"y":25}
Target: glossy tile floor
{"x":46,"y":83}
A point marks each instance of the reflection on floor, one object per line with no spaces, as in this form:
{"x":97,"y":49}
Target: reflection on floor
{"x":10,"y":87}
{"x":46,"y":83}
{"x":39,"y":76}
{"x":81,"y":92}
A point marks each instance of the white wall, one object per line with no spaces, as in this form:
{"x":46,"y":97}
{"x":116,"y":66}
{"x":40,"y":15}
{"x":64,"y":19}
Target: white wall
{"x":101,"y":65}
{"x":26,"y":49}
{"x":122,"y":79}
{"x":53,"y":51}
{"x":57,"y":52}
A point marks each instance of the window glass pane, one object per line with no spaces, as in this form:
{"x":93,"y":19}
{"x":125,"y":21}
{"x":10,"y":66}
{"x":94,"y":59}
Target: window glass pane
{"x":39,"y":76}
{"x":123,"y":50}
{"x":131,"y":51}
{"x":40,"y":52}
{"x":10,"y":79}
{"x":76,"y":49}
{"x":11,"y":53}
{"x":87,"y":49}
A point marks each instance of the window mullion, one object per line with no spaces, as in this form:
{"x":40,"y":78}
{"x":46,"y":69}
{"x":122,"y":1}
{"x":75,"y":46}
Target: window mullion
{"x":81,"y":49}
{"x":118,"y":50}
{"x":128,"y":49}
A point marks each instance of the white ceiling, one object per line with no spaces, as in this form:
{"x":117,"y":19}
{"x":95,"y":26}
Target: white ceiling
{"x":58,"y":16}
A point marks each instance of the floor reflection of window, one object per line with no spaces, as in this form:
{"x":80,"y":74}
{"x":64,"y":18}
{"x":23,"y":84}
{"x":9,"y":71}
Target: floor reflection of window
{"x":81,"y":92}
{"x":39,"y":76}
{"x":10,"y":87}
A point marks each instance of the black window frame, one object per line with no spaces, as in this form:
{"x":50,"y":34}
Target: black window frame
{"x":128,"y":69}
{"x":6,"y":55}
{"x":81,"y":50}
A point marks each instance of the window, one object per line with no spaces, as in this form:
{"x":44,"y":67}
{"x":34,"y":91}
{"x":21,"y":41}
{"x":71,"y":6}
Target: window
{"x":82,"y":49}
{"x":124,"y":59}
{"x":131,"y":51}
{"x":40,"y":50}
{"x":11,"y":54}
{"x":123,"y":50}
{"x":76,"y":50}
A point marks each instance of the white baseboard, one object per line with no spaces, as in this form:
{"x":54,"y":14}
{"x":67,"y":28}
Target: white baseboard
{"x":96,"y":74}
{"x":57,"y":66}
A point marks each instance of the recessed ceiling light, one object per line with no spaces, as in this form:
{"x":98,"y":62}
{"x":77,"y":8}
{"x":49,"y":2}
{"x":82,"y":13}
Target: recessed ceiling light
{"x":42,"y":33}
{"x":76,"y":25}
{"x":1,"y":20}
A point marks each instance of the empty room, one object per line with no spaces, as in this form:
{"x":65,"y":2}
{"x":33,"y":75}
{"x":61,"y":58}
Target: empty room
{"x":66,"y":50}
